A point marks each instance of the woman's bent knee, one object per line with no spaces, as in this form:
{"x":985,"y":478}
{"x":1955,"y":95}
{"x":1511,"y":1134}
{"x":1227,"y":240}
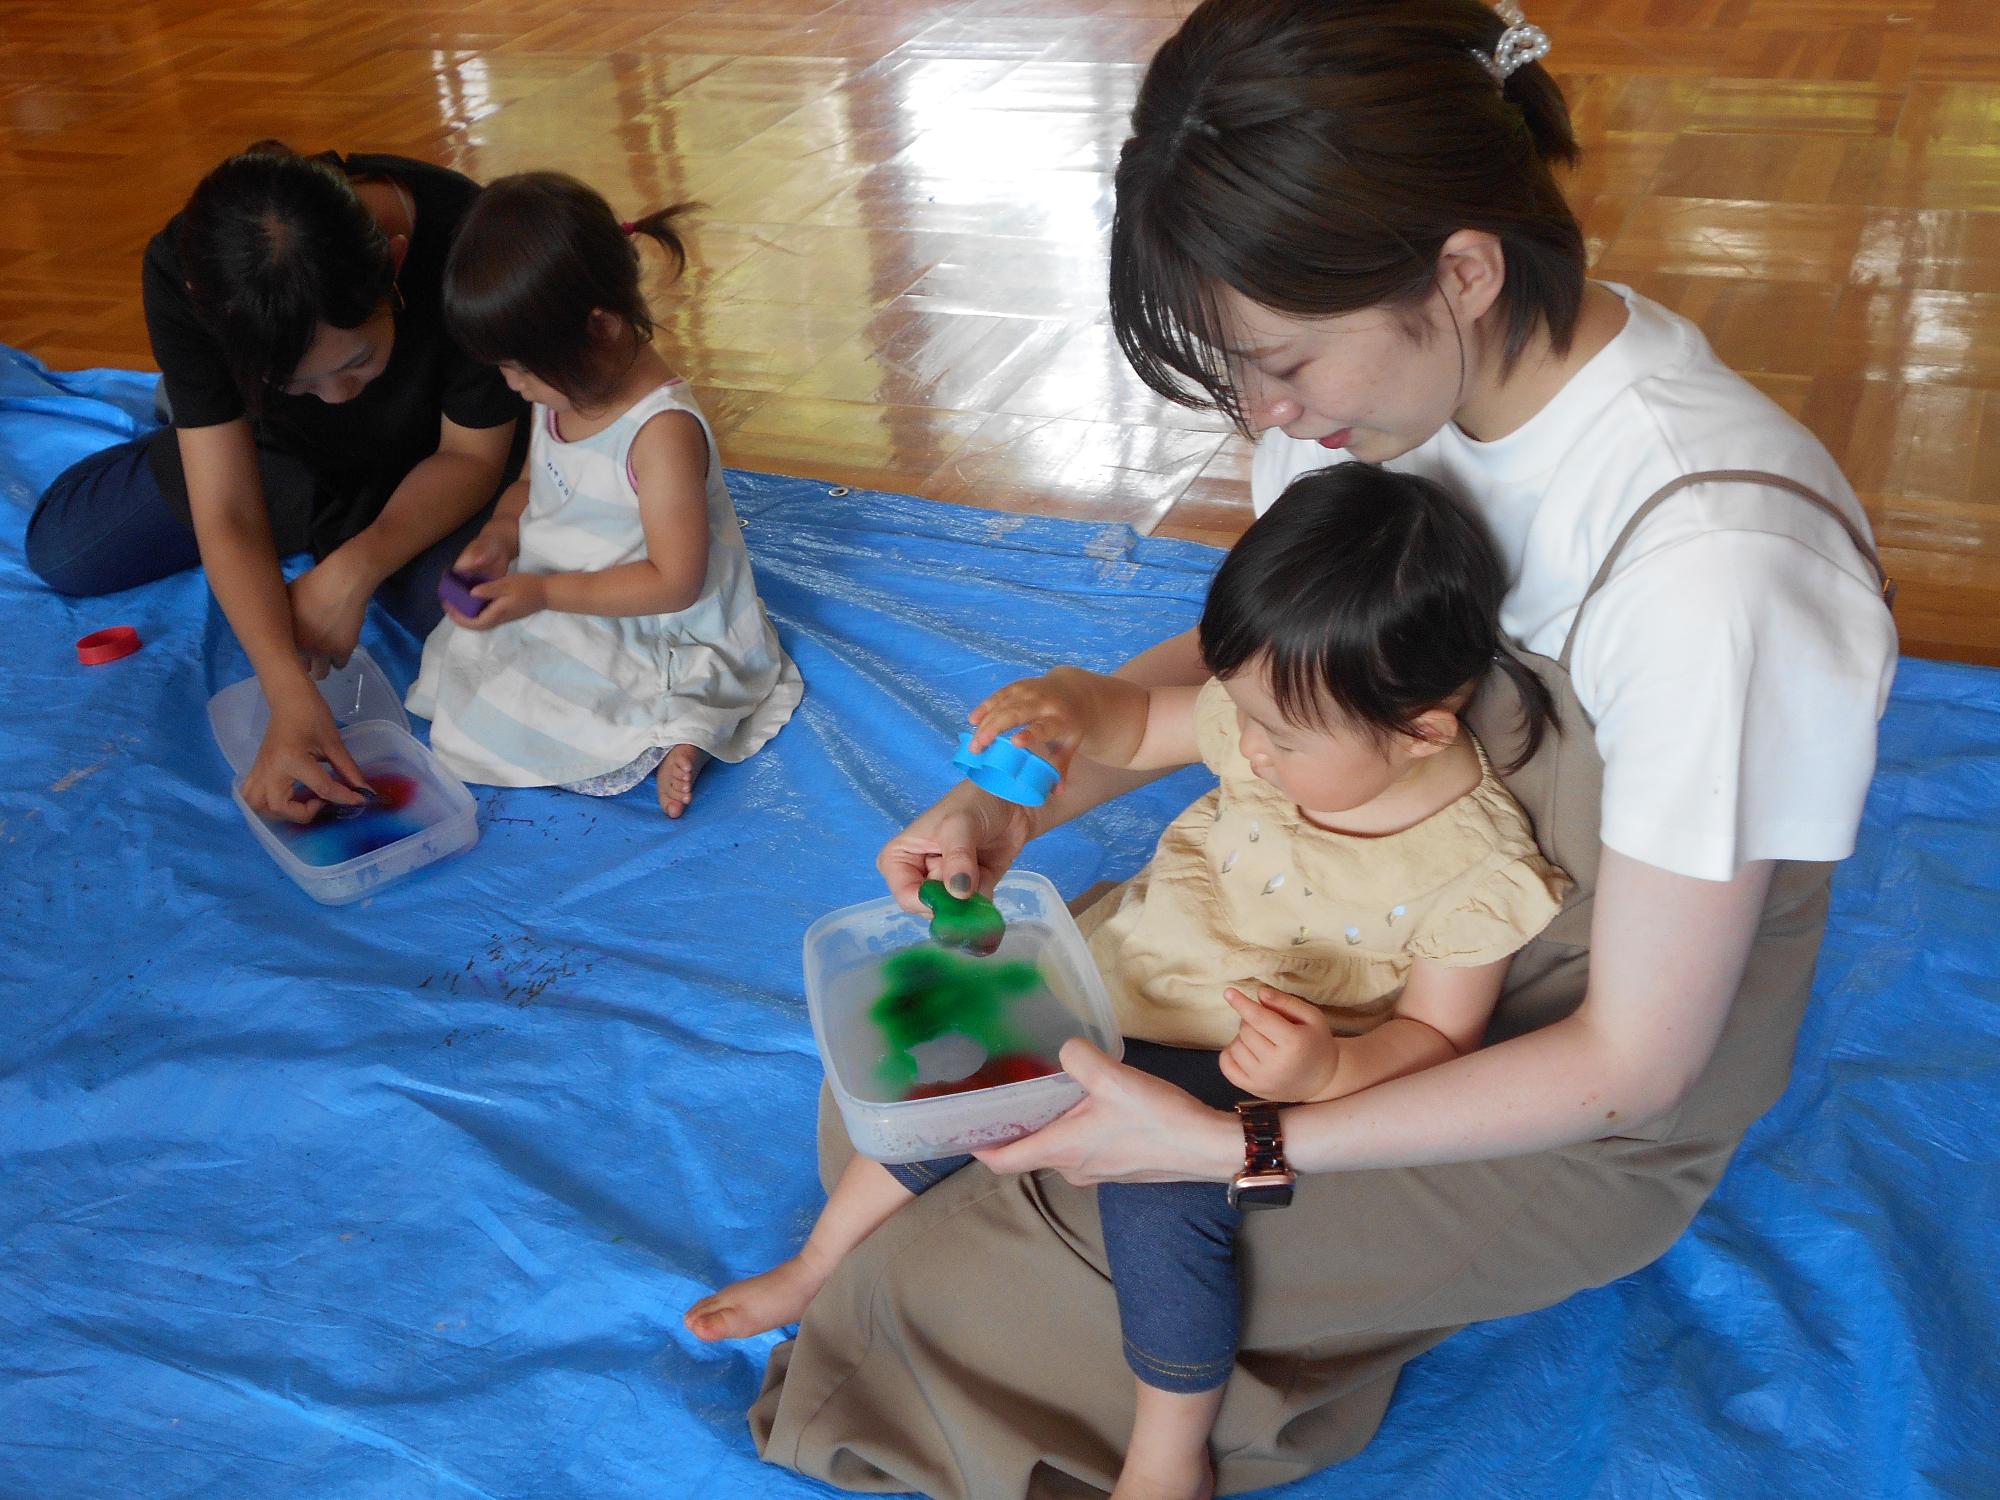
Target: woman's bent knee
{"x":52,"y":553}
{"x":103,"y":525}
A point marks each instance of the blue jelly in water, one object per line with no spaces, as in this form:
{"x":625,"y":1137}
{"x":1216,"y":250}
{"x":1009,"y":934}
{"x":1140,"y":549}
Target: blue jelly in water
{"x":339,"y":834}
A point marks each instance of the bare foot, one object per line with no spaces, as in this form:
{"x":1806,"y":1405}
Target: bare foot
{"x":676,"y":778}
{"x":757,"y":1304}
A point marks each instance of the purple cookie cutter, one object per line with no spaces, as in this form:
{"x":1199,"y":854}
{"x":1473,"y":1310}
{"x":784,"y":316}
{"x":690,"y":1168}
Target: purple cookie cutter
{"x":455,"y":588}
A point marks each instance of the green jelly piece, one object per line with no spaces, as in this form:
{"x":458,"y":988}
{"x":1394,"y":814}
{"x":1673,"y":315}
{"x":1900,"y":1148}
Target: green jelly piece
{"x":928,"y":992}
{"x":973,"y":922}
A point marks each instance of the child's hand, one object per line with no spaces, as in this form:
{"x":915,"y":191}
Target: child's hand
{"x":489,"y":554}
{"x":511,"y":598}
{"x":1283,"y":1049}
{"x":1053,"y":714}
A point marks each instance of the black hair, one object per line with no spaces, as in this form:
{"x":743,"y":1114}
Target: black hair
{"x":273,"y":244}
{"x":536,"y":255}
{"x":1314,"y":156}
{"x":1374,"y":597}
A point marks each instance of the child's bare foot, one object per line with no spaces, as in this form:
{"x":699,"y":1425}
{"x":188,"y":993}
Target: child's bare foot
{"x":757,"y":1304}
{"x":676,"y":778}
{"x":861,"y":1202}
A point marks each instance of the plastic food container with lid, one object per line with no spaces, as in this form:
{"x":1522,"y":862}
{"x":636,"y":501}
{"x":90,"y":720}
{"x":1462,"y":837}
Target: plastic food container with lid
{"x":426,"y":814}
{"x":844,"y":953}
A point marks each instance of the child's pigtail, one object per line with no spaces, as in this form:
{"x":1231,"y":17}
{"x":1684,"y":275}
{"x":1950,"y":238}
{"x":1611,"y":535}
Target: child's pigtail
{"x":658,"y":226}
{"x":1538,"y":708}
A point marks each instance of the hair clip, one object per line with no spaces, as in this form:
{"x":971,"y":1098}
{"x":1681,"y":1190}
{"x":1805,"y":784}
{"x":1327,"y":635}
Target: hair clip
{"x":1519,"y":45}
{"x":630,"y":226}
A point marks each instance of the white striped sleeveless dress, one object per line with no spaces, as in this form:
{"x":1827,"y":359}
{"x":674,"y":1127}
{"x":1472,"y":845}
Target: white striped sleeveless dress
{"x":589,"y":701}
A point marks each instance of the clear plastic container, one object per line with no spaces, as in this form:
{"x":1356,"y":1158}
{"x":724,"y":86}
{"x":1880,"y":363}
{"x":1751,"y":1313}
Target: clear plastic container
{"x":844,"y":953}
{"x":423,"y":813}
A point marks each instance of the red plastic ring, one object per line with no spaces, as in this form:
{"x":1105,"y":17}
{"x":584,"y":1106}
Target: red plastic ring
{"x":101,"y":646}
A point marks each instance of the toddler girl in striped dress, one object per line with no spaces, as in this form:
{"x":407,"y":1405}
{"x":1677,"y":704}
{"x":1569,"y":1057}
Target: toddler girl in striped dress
{"x":618,"y":631}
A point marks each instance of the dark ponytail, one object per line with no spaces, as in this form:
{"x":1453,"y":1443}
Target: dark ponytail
{"x":536,"y":255}
{"x":658,"y":226}
{"x":1372,"y":597}
{"x":273,"y":244}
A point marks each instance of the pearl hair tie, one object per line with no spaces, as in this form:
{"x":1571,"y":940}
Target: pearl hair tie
{"x":1519,"y":45}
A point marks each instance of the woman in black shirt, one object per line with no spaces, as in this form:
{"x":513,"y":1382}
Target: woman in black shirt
{"x":316,"y":405}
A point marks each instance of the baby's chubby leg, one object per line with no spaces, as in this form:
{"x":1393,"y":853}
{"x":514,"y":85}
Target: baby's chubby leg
{"x":861,"y":1202}
{"x":1167,"y":1458}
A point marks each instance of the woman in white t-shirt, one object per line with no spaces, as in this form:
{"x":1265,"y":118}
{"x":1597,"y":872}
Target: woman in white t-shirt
{"x":1337,"y":221}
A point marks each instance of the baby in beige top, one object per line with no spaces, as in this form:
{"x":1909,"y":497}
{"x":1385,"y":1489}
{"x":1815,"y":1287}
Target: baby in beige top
{"x":1338,"y":912}
{"x":1247,"y":890}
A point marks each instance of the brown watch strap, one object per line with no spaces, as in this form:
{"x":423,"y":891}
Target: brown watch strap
{"x":1263,"y":1138}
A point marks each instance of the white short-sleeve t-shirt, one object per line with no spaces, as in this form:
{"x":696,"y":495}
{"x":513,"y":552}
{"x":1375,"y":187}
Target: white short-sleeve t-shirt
{"x":1739,"y":656}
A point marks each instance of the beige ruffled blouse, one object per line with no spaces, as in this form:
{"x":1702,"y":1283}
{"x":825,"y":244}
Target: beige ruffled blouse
{"x":1242,"y":890}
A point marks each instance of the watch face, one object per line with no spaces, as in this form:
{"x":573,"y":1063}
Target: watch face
{"x":1262,"y":1190}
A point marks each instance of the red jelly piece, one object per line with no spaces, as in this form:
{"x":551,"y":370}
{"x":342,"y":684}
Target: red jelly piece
{"x":1010,"y":1067}
{"x":393,"y":792}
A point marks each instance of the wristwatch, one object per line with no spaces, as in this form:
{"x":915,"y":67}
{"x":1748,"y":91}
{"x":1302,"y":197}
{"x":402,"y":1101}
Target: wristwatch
{"x":1266,"y":1180}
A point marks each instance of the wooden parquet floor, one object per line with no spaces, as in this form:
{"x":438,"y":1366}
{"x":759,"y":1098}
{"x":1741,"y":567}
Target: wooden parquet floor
{"x":899,"y":281}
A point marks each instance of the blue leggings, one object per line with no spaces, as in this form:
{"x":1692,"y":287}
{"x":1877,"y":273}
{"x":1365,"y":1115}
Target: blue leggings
{"x":107,"y":523}
{"x":1171,"y":1245}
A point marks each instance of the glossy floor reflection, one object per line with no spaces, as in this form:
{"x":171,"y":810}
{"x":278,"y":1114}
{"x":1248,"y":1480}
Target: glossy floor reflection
{"x":899,"y":273}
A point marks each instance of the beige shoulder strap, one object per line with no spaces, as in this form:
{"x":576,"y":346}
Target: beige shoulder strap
{"x":1735,"y":476}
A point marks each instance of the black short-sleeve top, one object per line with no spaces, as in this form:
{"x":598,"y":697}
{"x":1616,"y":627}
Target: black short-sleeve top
{"x":359,"y":450}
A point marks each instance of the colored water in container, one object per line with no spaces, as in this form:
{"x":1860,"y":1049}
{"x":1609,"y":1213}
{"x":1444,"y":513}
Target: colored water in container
{"x":1038,"y":1021}
{"x":402,"y":805}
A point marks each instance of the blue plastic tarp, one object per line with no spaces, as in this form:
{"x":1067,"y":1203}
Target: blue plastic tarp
{"x":406,"y":1198}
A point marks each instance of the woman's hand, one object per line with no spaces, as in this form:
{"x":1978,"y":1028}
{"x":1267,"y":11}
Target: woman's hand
{"x":1130,"y":1127}
{"x":329,"y":602}
{"x":967,"y":839}
{"x":302,"y":748}
{"x":508,"y":599}
{"x":1283,"y":1049}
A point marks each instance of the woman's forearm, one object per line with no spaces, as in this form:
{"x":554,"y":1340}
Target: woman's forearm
{"x":240,"y":558}
{"x":1554,"y":1087}
{"x":239,"y":554}
{"x":435,"y":498}
{"x":1668,"y":954}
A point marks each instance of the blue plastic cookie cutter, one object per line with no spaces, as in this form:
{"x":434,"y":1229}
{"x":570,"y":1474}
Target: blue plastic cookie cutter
{"x":1007,"y":771}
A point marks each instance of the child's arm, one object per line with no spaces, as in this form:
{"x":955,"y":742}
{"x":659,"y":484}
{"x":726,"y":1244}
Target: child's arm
{"x":1108,"y":720}
{"x":492,"y":552}
{"x":1283,"y":1049}
{"x":669,"y":458}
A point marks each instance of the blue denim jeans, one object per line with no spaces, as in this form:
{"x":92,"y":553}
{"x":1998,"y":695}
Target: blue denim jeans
{"x":1171,"y":1245}
{"x":107,"y":524}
